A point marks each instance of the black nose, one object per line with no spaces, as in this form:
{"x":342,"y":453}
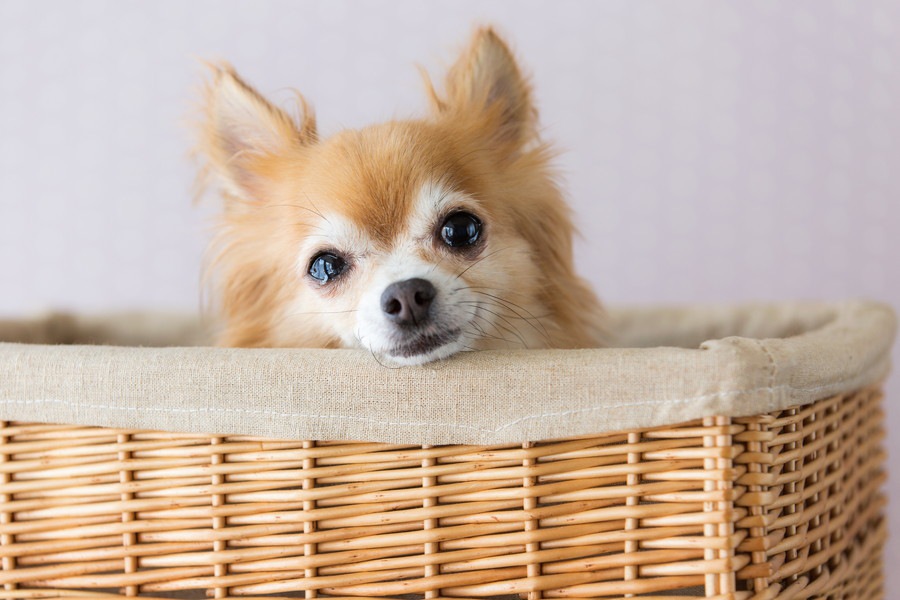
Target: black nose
{"x":407,"y":302}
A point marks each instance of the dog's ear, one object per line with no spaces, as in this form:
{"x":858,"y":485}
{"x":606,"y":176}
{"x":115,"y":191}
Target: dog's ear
{"x":486,"y":83}
{"x":241,"y":129}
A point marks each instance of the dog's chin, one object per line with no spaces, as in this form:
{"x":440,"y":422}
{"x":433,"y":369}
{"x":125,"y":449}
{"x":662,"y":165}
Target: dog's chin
{"x":425,"y":348}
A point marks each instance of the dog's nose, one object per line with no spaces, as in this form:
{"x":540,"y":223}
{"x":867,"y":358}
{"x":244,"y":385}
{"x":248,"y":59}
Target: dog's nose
{"x":407,"y":302}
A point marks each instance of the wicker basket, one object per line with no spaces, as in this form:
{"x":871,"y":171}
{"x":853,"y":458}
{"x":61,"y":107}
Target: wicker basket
{"x":773,"y":504}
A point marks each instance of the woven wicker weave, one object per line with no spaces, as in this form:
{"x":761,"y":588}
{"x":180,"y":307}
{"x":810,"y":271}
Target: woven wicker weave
{"x":774,"y":506}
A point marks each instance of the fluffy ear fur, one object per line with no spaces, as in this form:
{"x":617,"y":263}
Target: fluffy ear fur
{"x":486,"y":83}
{"x":489,"y":101}
{"x":244,"y":139}
{"x":241,"y":129}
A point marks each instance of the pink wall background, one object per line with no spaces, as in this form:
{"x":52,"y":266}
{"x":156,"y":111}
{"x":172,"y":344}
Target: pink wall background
{"x":714,"y":152}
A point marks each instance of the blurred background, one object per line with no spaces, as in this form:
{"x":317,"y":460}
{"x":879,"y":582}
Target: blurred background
{"x":713,"y":152}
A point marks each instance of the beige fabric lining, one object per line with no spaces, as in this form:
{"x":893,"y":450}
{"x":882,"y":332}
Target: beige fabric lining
{"x":664,"y":373}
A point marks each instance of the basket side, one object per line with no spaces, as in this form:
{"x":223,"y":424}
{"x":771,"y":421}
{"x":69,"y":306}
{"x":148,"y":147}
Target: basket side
{"x":134,"y":513}
{"x":777,"y":506}
{"x":815,"y":526}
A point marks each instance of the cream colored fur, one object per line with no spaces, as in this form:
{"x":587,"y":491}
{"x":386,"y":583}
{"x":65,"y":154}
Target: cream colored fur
{"x":377,"y":196}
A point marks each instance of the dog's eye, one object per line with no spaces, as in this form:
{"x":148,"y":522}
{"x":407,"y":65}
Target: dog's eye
{"x":326,"y":266}
{"x":460,"y":229}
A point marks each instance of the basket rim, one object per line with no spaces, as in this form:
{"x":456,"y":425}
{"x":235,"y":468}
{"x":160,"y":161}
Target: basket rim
{"x":489,"y":397}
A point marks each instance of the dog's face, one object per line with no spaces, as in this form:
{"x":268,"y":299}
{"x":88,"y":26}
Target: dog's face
{"x":403,"y":251}
{"x":413,"y":239}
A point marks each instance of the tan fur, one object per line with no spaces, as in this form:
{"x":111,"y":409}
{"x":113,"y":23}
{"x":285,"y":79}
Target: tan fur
{"x":283,"y":187}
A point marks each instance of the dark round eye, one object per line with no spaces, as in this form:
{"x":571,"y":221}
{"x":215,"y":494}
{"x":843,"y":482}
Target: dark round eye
{"x":460,"y":229}
{"x":326,"y":266}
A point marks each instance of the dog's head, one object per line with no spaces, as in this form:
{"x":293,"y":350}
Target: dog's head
{"x":414,"y":239}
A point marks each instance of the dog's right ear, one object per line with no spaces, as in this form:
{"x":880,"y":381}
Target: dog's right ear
{"x":241,"y":129}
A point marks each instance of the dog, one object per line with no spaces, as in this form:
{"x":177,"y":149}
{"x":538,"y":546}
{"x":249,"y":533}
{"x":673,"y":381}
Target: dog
{"x":414,"y":239}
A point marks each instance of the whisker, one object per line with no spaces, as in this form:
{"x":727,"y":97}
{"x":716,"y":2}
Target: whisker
{"x":437,"y":264}
{"x":515,"y":315}
{"x":511,"y":306}
{"x":322,"y":312}
{"x":316,"y":209}
{"x":375,"y":356}
{"x":496,"y":289}
{"x":300,"y":206}
{"x":357,"y":335}
{"x":485,"y":334}
{"x":479,"y":261}
{"x":511,"y":329}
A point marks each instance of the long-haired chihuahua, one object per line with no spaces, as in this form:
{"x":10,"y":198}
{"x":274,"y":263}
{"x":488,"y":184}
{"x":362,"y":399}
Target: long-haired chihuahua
{"x":414,"y":239}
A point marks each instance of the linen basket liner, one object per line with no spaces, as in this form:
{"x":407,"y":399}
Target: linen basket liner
{"x":757,"y":359}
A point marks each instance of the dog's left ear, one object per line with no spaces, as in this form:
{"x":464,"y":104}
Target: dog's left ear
{"x":486,"y":83}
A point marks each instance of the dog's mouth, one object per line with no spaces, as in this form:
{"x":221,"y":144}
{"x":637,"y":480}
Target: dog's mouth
{"x":423,"y":344}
